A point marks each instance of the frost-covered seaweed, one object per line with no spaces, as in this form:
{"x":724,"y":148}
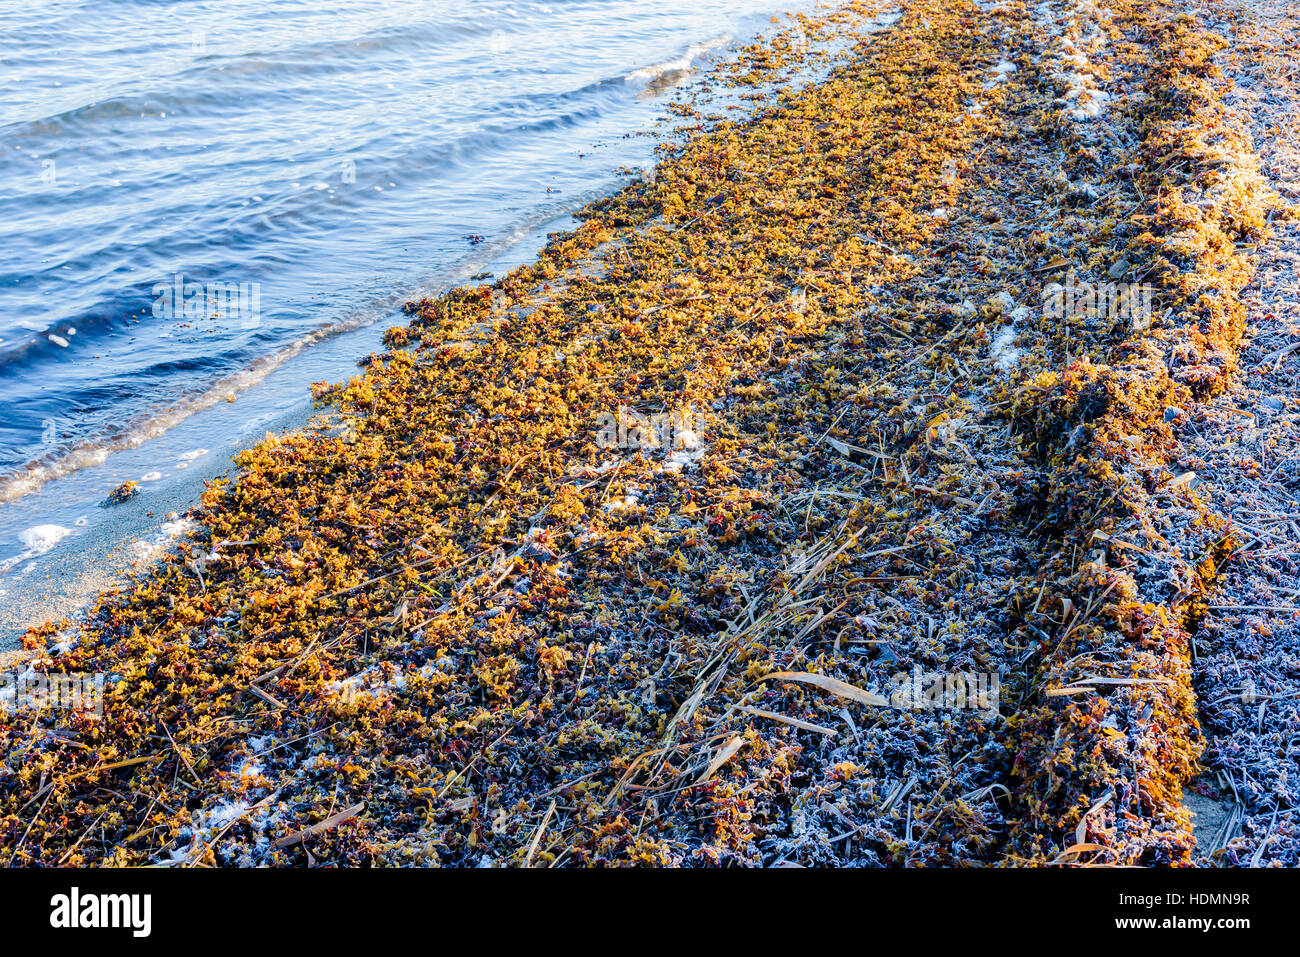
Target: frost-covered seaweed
{"x":452,"y":625}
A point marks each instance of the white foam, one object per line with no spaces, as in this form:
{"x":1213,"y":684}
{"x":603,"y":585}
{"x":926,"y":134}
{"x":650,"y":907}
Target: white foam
{"x":41,"y":538}
{"x":17,"y":484}
{"x":149,"y":549}
{"x":36,"y":540}
{"x":657,"y":71}
{"x":179,"y":527}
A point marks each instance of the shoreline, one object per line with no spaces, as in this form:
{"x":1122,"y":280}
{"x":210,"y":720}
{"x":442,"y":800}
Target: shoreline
{"x":851,"y":445}
{"x":126,"y":541}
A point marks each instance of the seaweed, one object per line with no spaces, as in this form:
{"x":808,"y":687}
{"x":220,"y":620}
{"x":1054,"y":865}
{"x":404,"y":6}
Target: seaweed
{"x":460,"y":620}
{"x":123,"y":493}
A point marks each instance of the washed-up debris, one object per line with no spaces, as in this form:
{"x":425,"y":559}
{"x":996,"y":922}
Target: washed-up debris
{"x":901,"y":593}
{"x":1245,"y":444}
{"x":124,"y":492}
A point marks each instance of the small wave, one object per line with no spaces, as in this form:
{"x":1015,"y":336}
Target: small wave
{"x":151,"y":426}
{"x":249,"y":115}
{"x":95,"y":452}
{"x":671,"y":72}
{"x":37,"y":541}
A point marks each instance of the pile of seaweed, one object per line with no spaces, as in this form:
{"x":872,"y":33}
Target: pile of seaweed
{"x":616,"y":559}
{"x":1139,"y":545}
{"x":1244,"y":448}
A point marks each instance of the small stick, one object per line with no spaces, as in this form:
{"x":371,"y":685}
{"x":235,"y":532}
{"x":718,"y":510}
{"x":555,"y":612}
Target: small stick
{"x":577,"y":692}
{"x":332,"y":821}
{"x":537,"y":836}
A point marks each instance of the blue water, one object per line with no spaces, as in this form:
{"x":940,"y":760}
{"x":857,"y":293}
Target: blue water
{"x":328,"y":159}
